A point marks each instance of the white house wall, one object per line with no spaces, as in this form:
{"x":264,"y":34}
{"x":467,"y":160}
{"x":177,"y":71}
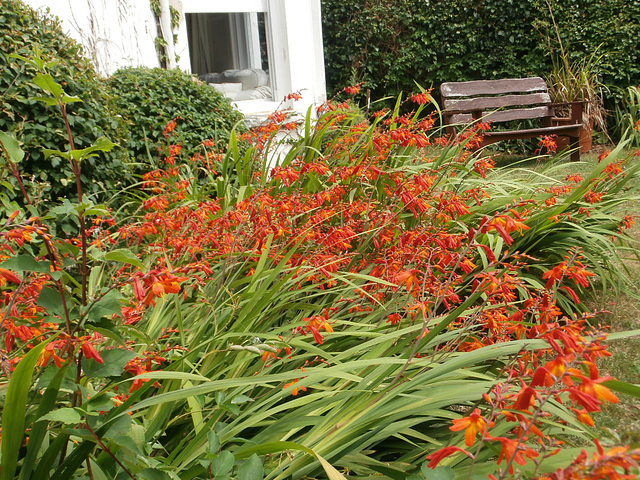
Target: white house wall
{"x":114,"y":33}
{"x":120,"y":33}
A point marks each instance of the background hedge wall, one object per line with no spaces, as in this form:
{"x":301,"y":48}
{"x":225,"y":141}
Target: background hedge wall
{"x":387,"y":44}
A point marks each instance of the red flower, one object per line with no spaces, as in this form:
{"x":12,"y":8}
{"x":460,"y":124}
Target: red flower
{"x":437,"y":457}
{"x":421,"y":98}
{"x":394,"y":319}
{"x":353,"y":90}
{"x":90,"y":351}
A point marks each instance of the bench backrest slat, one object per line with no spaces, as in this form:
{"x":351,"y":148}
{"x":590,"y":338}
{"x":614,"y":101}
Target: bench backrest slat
{"x":496,"y":100}
{"x":488,"y":103}
{"x":505,"y":115}
{"x":493,"y":87}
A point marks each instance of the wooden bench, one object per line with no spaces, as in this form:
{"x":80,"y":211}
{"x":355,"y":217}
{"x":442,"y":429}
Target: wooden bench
{"x":507,"y":100}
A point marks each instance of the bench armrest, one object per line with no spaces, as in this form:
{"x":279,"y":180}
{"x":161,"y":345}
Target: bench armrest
{"x":577,"y":109}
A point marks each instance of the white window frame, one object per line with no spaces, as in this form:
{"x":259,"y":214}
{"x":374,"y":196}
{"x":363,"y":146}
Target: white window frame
{"x":278,"y":64}
{"x":285,"y":50}
{"x":224,"y":6}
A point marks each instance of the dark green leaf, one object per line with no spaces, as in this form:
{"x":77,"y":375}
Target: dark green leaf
{"x":107,"y":306}
{"x":26,"y":263}
{"x":251,"y":469}
{"x":152,"y":474}
{"x":240,"y":399}
{"x":115,"y":360}
{"x":222,"y":464}
{"x":214,"y":442}
{"x":68,"y":416}
{"x":50,"y":299}
{"x":123,"y":255}
{"x":12,"y":147}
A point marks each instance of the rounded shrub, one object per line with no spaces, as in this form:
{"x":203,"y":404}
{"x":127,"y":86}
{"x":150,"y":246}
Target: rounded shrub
{"x":39,"y":126}
{"x":149,"y":98}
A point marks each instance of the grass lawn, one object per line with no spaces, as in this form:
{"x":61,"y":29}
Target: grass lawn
{"x":620,"y":311}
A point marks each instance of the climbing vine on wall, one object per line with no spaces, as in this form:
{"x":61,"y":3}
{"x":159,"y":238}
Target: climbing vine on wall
{"x":160,"y":42}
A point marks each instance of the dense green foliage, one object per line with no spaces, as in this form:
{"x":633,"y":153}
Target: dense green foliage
{"x":149,"y":99}
{"x":37,"y":125}
{"x":342,"y":317}
{"x":390,"y":44}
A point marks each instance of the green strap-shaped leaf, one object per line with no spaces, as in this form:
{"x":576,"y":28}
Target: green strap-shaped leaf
{"x":623,"y":387}
{"x":39,"y":430}
{"x":15,"y":409}
{"x":273,"y":447}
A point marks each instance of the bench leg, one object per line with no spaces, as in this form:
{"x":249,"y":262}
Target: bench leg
{"x":574,"y":145}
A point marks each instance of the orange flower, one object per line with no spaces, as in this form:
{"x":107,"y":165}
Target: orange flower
{"x":550,"y":142}
{"x":526,"y":399}
{"x":8,"y":276}
{"x":583,"y":417}
{"x":409,"y":278}
{"x":513,"y":449}
{"x":472,"y":424}
{"x":597,"y":390}
{"x":297,"y":388}
{"x":505,"y":224}
{"x":394,"y":319}
{"x":421,"y":98}
{"x":167,"y":283}
{"x":48,"y":353}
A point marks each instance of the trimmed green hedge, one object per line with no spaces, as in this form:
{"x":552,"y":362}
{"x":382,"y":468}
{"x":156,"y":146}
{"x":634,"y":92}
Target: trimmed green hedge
{"x":389,"y":44}
{"x":39,"y":126}
{"x":149,"y":98}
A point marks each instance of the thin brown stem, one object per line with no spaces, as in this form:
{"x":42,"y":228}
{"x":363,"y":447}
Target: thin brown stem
{"x":16,"y":174}
{"x":90,"y":469}
{"x":109,"y":452}
{"x":77,"y":170}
